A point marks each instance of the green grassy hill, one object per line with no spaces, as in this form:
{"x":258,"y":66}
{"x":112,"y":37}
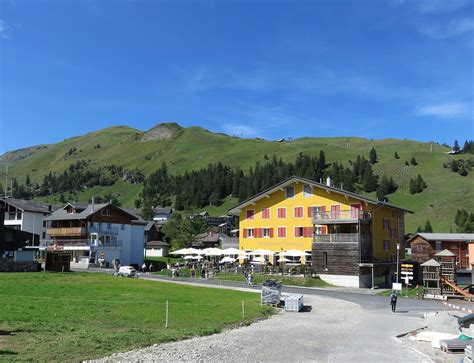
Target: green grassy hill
{"x":194,"y":147}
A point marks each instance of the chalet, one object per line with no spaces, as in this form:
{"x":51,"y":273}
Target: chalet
{"x":353,"y":240}
{"x":26,"y":215}
{"x":424,"y":247}
{"x":93,"y":231}
{"x":210,"y":238}
{"x":162,"y":215}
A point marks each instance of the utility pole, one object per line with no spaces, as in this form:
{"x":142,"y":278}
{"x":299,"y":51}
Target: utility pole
{"x":6,"y":183}
{"x":398,"y":262}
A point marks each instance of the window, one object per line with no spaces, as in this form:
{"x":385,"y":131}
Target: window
{"x":393,"y":233}
{"x":265,"y":213}
{"x":105,"y":212}
{"x":18,"y":215}
{"x":109,"y":225}
{"x":318,"y":230}
{"x":281,"y":212}
{"x":250,"y":213}
{"x":290,"y":192}
{"x":298,"y":212}
{"x":122,"y":227}
{"x":250,"y":232}
{"x":11,"y":216}
{"x":266,"y":232}
{"x":438,"y":246}
{"x":325,"y":260}
{"x":386,"y":245}
{"x":299,"y":231}
{"x":386,"y":224}
{"x":281,"y":232}
{"x":44,"y":223}
{"x":419,"y":248}
{"x":44,"y":235}
{"x":307,"y":191}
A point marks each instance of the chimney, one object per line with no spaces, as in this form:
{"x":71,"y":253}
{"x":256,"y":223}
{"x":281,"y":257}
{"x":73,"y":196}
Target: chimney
{"x":328,"y":181}
{"x":92,"y":205}
{"x":50,"y":207}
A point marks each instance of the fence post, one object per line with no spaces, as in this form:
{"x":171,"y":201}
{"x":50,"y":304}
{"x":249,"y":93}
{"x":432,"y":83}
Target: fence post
{"x":243,"y":309}
{"x":166,"y":319}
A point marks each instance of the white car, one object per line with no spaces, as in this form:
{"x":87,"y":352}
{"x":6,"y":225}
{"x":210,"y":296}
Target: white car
{"x":128,"y":271}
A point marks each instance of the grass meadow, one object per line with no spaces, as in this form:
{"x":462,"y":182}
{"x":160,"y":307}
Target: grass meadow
{"x":74,"y":316}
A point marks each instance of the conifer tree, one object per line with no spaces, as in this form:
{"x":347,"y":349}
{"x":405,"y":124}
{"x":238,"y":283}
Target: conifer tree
{"x":28,"y":181}
{"x":396,"y":156}
{"x":428,"y":228}
{"x":413,"y":161}
{"x":454,"y":166}
{"x":373,"y":156}
{"x":463,"y":171}
{"x":147,"y":211}
{"x":456,"y":146}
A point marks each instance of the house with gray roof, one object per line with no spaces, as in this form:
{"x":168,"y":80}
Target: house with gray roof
{"x":27,"y":216}
{"x":94,"y":233}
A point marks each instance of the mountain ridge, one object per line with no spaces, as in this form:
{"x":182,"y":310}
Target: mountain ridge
{"x":191,"y":148}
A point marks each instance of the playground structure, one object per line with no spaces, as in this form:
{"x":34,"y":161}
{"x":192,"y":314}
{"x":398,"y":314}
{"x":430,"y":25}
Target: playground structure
{"x":439,"y":277}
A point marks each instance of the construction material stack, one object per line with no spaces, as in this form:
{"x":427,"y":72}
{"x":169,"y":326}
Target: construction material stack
{"x":294,"y":302}
{"x":271,"y":292}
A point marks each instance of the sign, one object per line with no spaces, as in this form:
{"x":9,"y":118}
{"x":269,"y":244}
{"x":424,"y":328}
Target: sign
{"x":407,"y":273}
{"x":407,"y":279}
{"x":55,"y":248}
{"x":408,"y":265}
{"x":397,"y":286}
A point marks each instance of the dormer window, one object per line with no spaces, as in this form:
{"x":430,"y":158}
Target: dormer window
{"x":290,"y":192}
{"x":105,"y":212}
{"x":307,"y":192}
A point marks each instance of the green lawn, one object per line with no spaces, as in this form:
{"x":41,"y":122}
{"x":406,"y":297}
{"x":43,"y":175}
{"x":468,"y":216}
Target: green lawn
{"x":286,"y":280}
{"x":409,"y":293}
{"x":68,"y":317}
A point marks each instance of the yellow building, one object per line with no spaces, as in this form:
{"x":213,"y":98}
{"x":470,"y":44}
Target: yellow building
{"x":352,"y":239}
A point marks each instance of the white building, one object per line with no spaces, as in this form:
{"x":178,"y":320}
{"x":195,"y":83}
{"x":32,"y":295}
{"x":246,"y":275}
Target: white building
{"x":27,"y":216}
{"x":96,"y":231}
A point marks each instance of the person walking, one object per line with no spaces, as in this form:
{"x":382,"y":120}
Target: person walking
{"x":249,"y":279}
{"x":393,"y":300}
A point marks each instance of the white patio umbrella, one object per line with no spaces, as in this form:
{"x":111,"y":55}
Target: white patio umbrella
{"x":213,"y":252}
{"x":182,"y":251}
{"x":283,"y":259}
{"x":232,"y":251}
{"x":193,"y":251}
{"x":261,"y":253}
{"x":188,"y":257}
{"x":258,"y":260}
{"x":227,"y":260}
{"x":294,"y":253}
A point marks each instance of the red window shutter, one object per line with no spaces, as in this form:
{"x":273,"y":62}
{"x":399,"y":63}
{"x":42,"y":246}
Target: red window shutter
{"x":323,"y":210}
{"x":283,"y":213}
{"x":271,"y":232}
{"x":309,"y":231}
{"x":260,"y":232}
{"x":310,"y":211}
{"x":245,"y":232}
{"x":305,"y":232}
{"x":296,"y":232}
{"x":324,"y":230}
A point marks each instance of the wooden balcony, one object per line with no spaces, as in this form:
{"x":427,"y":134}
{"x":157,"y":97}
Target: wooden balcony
{"x":341,"y":217}
{"x":66,"y":231}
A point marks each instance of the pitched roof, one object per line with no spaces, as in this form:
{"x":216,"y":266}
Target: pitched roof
{"x":163,"y":210}
{"x":464,"y":237}
{"x":30,"y":205}
{"x":445,"y":253}
{"x":431,"y":263}
{"x":292,"y":179}
{"x":149,"y":225}
{"x":62,"y":214}
{"x":157,"y":244}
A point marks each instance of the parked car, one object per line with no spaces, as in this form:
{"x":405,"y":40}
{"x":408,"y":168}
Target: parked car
{"x":127,"y":271}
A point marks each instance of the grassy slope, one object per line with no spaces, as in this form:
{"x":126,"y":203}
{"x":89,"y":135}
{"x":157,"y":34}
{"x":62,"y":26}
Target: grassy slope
{"x":195,"y":147}
{"x":96,"y":314}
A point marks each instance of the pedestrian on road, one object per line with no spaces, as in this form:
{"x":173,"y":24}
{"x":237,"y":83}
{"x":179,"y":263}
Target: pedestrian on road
{"x":150,"y":268}
{"x":144,"y":267}
{"x":249,"y":279}
{"x":393,"y":300}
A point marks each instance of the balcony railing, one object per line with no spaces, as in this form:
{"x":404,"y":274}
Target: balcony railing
{"x":103,"y":230}
{"x":80,"y":243}
{"x":66,"y":231}
{"x":343,"y":216}
{"x":336,"y":237}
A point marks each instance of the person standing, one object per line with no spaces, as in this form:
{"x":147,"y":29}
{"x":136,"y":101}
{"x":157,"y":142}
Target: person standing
{"x":249,"y":279}
{"x":393,"y":300}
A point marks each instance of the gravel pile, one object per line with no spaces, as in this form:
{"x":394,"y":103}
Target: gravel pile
{"x":442,"y":322}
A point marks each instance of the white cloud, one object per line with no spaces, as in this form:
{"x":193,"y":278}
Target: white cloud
{"x":240,"y":130}
{"x":448,"y":109}
{"x":441,"y":6}
{"x":452,"y":29}
{"x":3,"y":29}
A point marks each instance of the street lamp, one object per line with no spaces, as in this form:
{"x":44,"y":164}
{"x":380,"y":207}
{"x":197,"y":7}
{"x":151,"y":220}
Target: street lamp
{"x":398,"y":262}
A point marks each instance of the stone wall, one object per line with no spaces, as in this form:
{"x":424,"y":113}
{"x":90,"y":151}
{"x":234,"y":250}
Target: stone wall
{"x":8,"y":265}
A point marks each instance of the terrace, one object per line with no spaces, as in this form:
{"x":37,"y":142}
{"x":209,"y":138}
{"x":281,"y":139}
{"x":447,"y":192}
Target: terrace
{"x":341,"y":216}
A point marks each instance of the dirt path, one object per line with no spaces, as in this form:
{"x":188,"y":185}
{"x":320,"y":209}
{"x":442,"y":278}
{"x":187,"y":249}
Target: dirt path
{"x":333,"y":331}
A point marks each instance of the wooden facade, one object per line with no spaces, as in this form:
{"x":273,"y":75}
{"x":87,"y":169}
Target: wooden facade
{"x":336,"y":258}
{"x":423,"y":250}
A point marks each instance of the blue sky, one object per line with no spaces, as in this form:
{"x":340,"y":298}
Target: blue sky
{"x":270,"y":69}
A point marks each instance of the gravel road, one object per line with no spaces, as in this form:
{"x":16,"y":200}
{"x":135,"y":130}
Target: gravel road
{"x":332,"y":331}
